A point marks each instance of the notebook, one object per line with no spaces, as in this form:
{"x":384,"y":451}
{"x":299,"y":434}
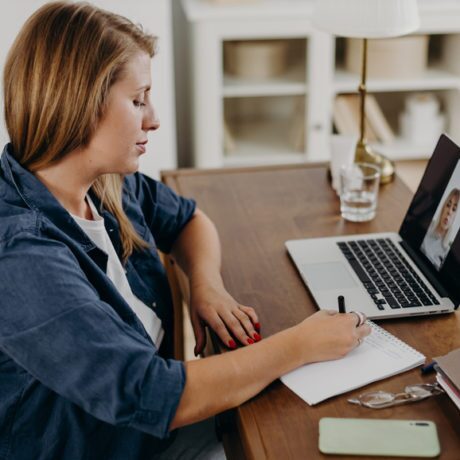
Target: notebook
{"x":449,"y":389}
{"x":410,"y":273}
{"x":380,"y":355}
{"x":448,"y":374}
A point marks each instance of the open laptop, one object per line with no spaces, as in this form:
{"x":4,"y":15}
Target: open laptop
{"x":385,"y":275}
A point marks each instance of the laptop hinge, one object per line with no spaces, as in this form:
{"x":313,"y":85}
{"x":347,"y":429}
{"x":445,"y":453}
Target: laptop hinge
{"x":423,"y":267}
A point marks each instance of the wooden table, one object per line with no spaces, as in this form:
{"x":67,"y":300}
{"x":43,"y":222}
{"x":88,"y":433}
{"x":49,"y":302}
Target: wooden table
{"x":256,"y":210}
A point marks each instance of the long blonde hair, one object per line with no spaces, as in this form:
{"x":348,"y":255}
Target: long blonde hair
{"x":57,"y":78}
{"x":454,"y":193}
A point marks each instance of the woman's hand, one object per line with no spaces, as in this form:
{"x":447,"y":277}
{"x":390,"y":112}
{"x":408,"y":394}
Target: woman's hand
{"x":329,"y":335}
{"x":231,"y":321}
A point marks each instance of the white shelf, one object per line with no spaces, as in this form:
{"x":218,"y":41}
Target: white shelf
{"x":262,"y":142}
{"x":404,"y":150}
{"x":247,"y":159}
{"x":200,"y":10}
{"x":432,"y":79}
{"x":292,"y":83}
{"x":317,"y":80}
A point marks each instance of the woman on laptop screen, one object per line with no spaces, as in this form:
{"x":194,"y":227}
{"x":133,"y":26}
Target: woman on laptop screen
{"x":442,"y":230}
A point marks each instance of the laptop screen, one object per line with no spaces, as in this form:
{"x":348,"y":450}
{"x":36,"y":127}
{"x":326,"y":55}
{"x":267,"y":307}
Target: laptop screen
{"x":432,"y":223}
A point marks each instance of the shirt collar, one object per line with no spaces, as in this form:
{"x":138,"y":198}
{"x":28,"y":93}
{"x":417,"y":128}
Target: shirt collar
{"x":38,"y":198}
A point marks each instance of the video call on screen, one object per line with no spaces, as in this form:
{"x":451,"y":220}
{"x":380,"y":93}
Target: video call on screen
{"x":432,"y":223}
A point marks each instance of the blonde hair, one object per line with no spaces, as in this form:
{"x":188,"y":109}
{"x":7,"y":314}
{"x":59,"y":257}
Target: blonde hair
{"x":454,"y":193}
{"x":57,"y":78}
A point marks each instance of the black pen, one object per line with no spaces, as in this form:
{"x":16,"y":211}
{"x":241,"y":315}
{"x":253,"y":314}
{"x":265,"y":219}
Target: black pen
{"x":341,"y":302}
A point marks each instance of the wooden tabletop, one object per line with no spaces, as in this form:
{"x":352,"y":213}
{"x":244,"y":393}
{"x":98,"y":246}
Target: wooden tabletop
{"x":256,"y":210}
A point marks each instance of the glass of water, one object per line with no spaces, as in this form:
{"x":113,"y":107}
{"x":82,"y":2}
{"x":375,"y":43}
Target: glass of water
{"x":359,"y":186}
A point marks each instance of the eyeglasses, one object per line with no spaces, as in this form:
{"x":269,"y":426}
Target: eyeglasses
{"x":382,"y":399}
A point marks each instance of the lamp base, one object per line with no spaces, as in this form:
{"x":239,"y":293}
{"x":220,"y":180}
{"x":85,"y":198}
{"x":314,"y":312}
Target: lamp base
{"x":364,"y":154}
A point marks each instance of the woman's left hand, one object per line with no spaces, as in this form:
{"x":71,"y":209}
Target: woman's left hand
{"x":216,"y":308}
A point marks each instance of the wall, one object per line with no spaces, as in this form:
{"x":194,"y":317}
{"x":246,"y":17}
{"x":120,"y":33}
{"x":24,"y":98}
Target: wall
{"x":155,"y":16}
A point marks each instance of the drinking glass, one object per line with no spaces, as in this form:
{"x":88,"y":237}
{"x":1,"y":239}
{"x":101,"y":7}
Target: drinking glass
{"x":359,"y":187}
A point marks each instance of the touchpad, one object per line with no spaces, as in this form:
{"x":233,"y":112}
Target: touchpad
{"x":327,"y":275}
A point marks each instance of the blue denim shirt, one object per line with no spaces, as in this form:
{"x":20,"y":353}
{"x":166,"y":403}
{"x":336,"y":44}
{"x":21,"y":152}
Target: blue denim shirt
{"x":79,"y":376}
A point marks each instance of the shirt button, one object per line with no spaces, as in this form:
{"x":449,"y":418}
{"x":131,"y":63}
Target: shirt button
{"x":154,"y":304}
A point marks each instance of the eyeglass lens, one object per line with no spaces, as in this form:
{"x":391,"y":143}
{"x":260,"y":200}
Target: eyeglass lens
{"x":423,"y":390}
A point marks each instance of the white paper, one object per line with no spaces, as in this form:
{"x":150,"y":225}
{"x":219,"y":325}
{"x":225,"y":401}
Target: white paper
{"x":380,"y":355}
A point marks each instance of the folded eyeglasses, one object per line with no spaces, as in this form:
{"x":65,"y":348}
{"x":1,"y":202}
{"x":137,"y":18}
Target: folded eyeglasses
{"x":411,"y":393}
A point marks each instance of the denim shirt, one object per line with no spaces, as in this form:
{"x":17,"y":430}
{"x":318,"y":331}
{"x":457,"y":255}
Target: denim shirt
{"x":79,"y":376}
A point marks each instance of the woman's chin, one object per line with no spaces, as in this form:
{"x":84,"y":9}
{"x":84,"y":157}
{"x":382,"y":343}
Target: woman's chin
{"x":131,"y":168}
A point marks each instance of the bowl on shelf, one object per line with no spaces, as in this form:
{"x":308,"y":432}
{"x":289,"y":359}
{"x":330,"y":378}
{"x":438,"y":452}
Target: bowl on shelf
{"x":256,"y":59}
{"x":400,"y":57}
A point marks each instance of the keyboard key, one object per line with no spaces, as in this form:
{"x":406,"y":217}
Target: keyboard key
{"x":358,"y":270}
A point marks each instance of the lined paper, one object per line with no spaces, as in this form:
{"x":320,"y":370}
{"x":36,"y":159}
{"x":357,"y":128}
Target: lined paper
{"x":380,"y":355}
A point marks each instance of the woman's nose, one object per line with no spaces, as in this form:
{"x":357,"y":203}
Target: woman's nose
{"x":151,"y":120}
{"x":154,"y":124}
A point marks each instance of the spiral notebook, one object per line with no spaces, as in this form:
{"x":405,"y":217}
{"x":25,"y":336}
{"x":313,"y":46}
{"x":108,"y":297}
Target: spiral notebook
{"x":380,"y":355}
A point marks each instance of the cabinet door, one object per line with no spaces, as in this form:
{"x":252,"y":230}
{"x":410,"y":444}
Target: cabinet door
{"x":320,"y":69}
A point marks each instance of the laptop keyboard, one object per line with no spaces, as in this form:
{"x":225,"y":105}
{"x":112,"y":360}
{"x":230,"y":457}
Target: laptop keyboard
{"x":386,"y":275}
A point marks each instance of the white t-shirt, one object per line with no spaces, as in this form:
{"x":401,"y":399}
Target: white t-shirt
{"x":97,"y":232}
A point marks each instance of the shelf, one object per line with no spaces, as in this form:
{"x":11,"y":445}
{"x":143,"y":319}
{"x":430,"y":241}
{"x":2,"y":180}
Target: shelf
{"x":315,"y":77}
{"x":292,"y":83}
{"x":259,"y":159}
{"x":404,"y":150}
{"x":262,"y":142}
{"x":432,"y":79}
{"x":200,"y":10}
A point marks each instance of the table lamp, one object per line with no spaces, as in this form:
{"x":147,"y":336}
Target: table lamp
{"x":367,"y":19}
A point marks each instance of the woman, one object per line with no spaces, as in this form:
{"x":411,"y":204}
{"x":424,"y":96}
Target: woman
{"x":85,"y":322}
{"x":436,"y":243}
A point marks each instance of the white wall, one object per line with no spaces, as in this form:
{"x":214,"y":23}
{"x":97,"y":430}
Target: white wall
{"x":155,"y":17}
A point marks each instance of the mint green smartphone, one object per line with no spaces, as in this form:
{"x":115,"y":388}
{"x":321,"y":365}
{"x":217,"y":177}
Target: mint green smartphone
{"x":359,"y":436}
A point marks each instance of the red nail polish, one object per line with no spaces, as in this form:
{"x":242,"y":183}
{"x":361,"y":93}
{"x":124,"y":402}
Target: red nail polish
{"x":250,"y":341}
{"x":257,"y":337}
{"x":232,"y":344}
{"x":257,"y":326}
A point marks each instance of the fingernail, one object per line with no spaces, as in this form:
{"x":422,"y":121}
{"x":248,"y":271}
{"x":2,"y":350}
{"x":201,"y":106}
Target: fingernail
{"x":257,"y":337}
{"x":250,"y":341}
{"x":257,"y":326}
{"x":231,"y":344}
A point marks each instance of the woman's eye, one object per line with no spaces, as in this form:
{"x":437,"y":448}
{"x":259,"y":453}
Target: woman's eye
{"x":138,"y":103}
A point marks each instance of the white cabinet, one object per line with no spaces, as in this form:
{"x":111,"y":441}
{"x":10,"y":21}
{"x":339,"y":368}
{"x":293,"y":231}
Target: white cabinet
{"x":288,"y":118}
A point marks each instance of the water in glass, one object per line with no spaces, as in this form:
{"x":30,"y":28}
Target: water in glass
{"x":358,"y":205}
{"x":358,"y":191}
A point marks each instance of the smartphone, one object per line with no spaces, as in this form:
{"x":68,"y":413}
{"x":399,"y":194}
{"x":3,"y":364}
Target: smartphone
{"x":359,"y":436}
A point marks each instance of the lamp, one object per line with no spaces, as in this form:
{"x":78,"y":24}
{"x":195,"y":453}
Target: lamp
{"x":367,"y":19}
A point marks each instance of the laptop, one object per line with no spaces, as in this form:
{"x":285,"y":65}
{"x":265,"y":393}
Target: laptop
{"x":385,"y":275}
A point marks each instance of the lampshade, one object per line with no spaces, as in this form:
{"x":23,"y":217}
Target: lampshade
{"x":366,"y":18}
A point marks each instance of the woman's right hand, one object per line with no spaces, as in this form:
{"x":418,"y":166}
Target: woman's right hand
{"x":328,"y":335}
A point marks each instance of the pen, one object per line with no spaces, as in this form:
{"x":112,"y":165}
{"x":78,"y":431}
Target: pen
{"x":428,"y":368}
{"x":341,"y":302}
